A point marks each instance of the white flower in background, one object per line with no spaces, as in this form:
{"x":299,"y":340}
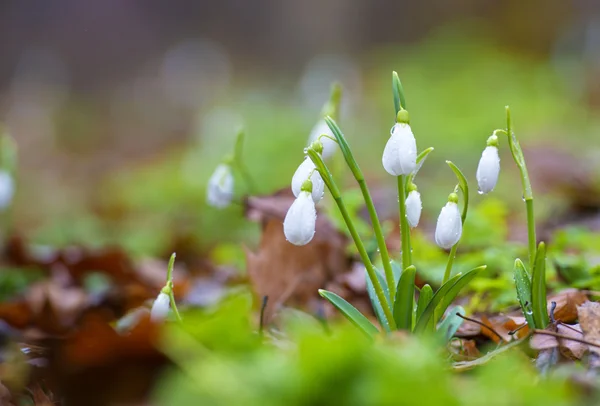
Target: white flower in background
{"x":329,"y":144}
{"x":300,"y":220}
{"x":449,"y":224}
{"x":302,"y":173}
{"x":413,"y":208}
{"x":220,"y":187}
{"x":160,"y":308}
{"x":7,"y":189}
{"x":400,"y":153}
{"x":489,"y":166}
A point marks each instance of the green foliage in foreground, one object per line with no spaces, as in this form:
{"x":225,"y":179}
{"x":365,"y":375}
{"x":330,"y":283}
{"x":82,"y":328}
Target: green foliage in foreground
{"x":221,"y":360}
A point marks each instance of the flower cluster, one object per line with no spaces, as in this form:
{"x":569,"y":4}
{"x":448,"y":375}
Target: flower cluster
{"x":308,"y":187}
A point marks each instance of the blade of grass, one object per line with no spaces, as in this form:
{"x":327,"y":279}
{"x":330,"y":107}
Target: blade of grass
{"x":523,"y":285}
{"x":405,"y":299}
{"x":538,"y":289}
{"x":351,"y":313}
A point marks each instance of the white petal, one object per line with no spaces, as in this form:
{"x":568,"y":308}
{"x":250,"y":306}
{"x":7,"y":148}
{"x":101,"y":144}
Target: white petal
{"x":300,"y":220}
{"x":329,"y":145}
{"x":160,"y":308}
{"x":301,"y":175}
{"x":488,"y":169}
{"x":220,"y":187}
{"x":7,"y":189}
{"x":413,"y":208}
{"x":400,"y":152}
{"x":449,"y":226}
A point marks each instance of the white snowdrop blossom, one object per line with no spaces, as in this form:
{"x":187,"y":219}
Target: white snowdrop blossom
{"x":160,"y":308}
{"x":400,"y":153}
{"x":449,"y":225}
{"x":7,"y":189}
{"x":300,"y":220}
{"x":302,"y":173}
{"x":220,"y":187}
{"x":413,"y":208}
{"x":488,"y":169}
{"x":329,"y":144}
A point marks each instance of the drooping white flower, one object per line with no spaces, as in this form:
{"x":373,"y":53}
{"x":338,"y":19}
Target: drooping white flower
{"x":302,"y":173}
{"x":160,"y":308}
{"x":449,"y":224}
{"x":300,"y":220}
{"x":413,"y":208}
{"x":400,"y":153}
{"x":220,"y":187}
{"x":488,"y":169}
{"x":329,"y":145}
{"x":7,"y":189}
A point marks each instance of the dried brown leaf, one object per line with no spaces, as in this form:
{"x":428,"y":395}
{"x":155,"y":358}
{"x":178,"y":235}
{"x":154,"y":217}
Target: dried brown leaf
{"x":589,"y":320}
{"x":569,"y":348}
{"x":566,"y":304}
{"x":290,"y":274}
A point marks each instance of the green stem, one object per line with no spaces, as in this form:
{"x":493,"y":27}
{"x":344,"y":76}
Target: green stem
{"x":531,"y":231}
{"x":365,"y":258}
{"x":371,"y":272}
{"x":404,"y":227}
{"x":170,"y":267}
{"x":385,"y":256}
{"x":358,"y":175}
{"x":250,"y":184}
{"x":174,"y":305}
{"x":519,"y":158}
{"x":449,"y":264}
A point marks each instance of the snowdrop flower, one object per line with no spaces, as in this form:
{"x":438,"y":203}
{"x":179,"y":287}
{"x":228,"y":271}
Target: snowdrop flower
{"x":449,"y":224}
{"x":7,"y":189}
{"x":413,"y":206}
{"x":489,"y":166}
{"x":300,"y":220}
{"x":220,"y":187}
{"x":329,"y":144}
{"x":307,"y":168}
{"x":400,"y":153}
{"x":160,"y":307}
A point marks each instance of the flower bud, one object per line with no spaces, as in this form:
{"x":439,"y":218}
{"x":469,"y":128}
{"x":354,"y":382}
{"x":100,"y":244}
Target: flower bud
{"x":413,"y":208}
{"x":7,"y":189}
{"x":400,"y":153}
{"x":300,"y":220}
{"x":220,"y":187}
{"x":329,"y":144}
{"x":160,"y":308}
{"x":449,"y":224}
{"x":489,"y":167}
{"x":302,"y":173}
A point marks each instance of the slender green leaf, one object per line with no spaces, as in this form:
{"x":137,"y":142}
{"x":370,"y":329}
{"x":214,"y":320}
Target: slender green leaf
{"x":538,"y":289}
{"x":420,"y":161}
{"x":424,"y":299}
{"x":239,"y":146}
{"x":375,"y":301}
{"x":398,"y":90}
{"x":464,"y":187}
{"x":455,"y":290}
{"x":350,"y":312}
{"x":437,"y":297}
{"x":423,"y":155}
{"x":450,"y":289}
{"x":451,"y":323}
{"x":397,"y":270}
{"x":345,"y":148}
{"x":405,"y":298}
{"x":523,"y":285}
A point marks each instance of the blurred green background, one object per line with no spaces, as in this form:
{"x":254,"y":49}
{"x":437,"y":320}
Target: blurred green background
{"x":122,"y":109}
